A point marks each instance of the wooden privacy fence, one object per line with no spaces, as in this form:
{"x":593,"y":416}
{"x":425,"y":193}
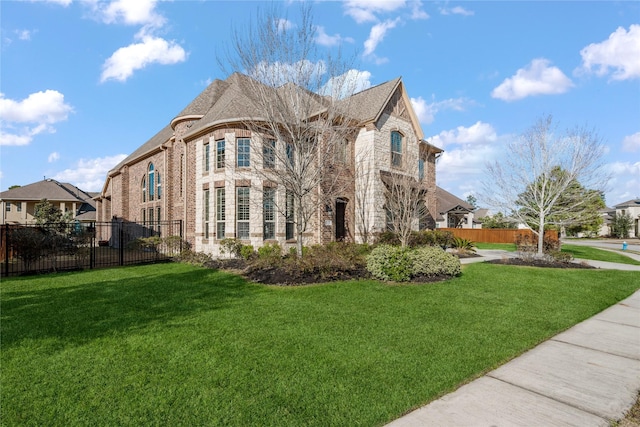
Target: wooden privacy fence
{"x":494,"y":235}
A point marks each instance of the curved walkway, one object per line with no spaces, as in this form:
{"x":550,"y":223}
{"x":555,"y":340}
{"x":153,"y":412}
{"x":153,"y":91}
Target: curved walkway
{"x":586,"y":376}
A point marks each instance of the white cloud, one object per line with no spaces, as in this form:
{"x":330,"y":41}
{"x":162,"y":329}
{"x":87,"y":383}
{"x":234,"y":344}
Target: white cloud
{"x":53,"y":157}
{"x":284,"y":24}
{"x":138,"y":12}
{"x":278,"y":73}
{"x":417,"y":12}
{"x":39,"y":111}
{"x":64,"y":3}
{"x":619,"y":54}
{"x":124,"y":61}
{"x":24,"y":34}
{"x":458,"y":10}
{"x":89,"y":174}
{"x":625,"y":182}
{"x":353,"y":81}
{"x":366,"y":10}
{"x":426,"y":111}
{"x":377,"y":34}
{"x":631,"y":143}
{"x":477,"y":134}
{"x":538,"y":78}
{"x":324,"y":39}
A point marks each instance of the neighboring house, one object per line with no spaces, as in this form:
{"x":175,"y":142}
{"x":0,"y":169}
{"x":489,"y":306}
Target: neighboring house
{"x":454,"y":212}
{"x":18,"y":204}
{"x":607,"y":215}
{"x":632,"y":208}
{"x":201,"y":169}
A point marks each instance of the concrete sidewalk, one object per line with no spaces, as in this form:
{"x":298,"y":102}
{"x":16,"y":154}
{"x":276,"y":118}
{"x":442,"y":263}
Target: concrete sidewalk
{"x":586,"y":376}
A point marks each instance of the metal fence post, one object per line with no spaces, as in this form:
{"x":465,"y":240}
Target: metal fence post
{"x":5,"y":237}
{"x":121,"y":240}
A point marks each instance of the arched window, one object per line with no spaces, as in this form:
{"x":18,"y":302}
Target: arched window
{"x":144,"y":188}
{"x":152,"y":184}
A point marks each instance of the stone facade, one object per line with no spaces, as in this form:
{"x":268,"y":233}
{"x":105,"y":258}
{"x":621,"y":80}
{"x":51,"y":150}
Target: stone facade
{"x":193,"y":181}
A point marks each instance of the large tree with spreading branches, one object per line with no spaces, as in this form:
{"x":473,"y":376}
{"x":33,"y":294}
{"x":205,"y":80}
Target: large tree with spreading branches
{"x":548,"y":177}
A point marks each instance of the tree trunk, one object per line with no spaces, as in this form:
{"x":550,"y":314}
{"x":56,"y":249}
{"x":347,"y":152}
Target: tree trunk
{"x":541,"y":234}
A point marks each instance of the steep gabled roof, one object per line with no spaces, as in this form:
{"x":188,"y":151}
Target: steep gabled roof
{"x":46,"y":189}
{"x":367,"y":105}
{"x":447,"y":201}
{"x":156,"y":141}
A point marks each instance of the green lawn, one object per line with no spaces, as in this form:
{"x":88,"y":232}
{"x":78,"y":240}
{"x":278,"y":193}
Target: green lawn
{"x":587,"y":252}
{"x":511,"y":247}
{"x":581,"y":252}
{"x":177,"y":345}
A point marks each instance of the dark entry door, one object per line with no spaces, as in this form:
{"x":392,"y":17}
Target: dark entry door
{"x":341,"y":206}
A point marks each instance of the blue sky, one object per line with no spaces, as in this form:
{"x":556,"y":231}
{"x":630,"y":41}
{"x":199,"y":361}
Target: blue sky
{"x":84,"y":83}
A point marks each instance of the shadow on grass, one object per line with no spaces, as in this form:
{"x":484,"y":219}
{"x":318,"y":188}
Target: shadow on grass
{"x":74,"y":314}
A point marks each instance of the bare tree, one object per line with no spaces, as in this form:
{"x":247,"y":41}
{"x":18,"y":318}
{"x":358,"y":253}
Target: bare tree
{"x":299,"y":96}
{"x":365,"y":175}
{"x":534,"y":181}
{"x":404,"y":199}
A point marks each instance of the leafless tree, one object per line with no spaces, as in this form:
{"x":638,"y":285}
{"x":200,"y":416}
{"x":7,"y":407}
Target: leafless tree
{"x":404,"y":199}
{"x":535,"y":178}
{"x":299,"y":96}
{"x":365,"y":174}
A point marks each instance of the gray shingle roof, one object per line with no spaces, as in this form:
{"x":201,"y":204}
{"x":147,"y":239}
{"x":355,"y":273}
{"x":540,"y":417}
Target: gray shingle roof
{"x":447,"y":201}
{"x":47,"y":189}
{"x":629,"y":204}
{"x":231,"y":99}
{"x":366,"y":105}
{"x":157,"y":140}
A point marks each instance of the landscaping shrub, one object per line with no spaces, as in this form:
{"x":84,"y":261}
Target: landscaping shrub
{"x":433,"y":261}
{"x":462,"y":246}
{"x":560,"y":256}
{"x":270,"y":251}
{"x":528,"y":243}
{"x":194,"y":258}
{"x":387,"y":262}
{"x":231,"y":247}
{"x":246,"y":251}
{"x":440,"y":238}
{"x":398,"y":264}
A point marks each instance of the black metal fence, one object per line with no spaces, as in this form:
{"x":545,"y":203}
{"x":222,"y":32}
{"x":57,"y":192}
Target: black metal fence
{"x":27,"y":249}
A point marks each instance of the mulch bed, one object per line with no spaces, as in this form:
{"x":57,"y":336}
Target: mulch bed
{"x":283,"y":277}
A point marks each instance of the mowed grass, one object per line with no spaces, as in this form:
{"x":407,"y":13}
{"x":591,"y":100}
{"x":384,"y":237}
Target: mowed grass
{"x":173,"y":344}
{"x":587,"y":252}
{"x":580,"y":252}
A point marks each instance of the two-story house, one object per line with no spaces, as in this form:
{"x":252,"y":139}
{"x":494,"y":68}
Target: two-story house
{"x":205,"y":169}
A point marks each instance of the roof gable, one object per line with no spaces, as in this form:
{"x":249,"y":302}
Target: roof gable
{"x":49,"y":189}
{"x":447,"y":202}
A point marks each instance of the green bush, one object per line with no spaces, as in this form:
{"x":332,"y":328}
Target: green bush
{"x":246,"y":251}
{"x":270,"y":250}
{"x":387,"y":262}
{"x":433,"y":261}
{"x":462,"y":245}
{"x":231,"y":247}
{"x":398,"y":264}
